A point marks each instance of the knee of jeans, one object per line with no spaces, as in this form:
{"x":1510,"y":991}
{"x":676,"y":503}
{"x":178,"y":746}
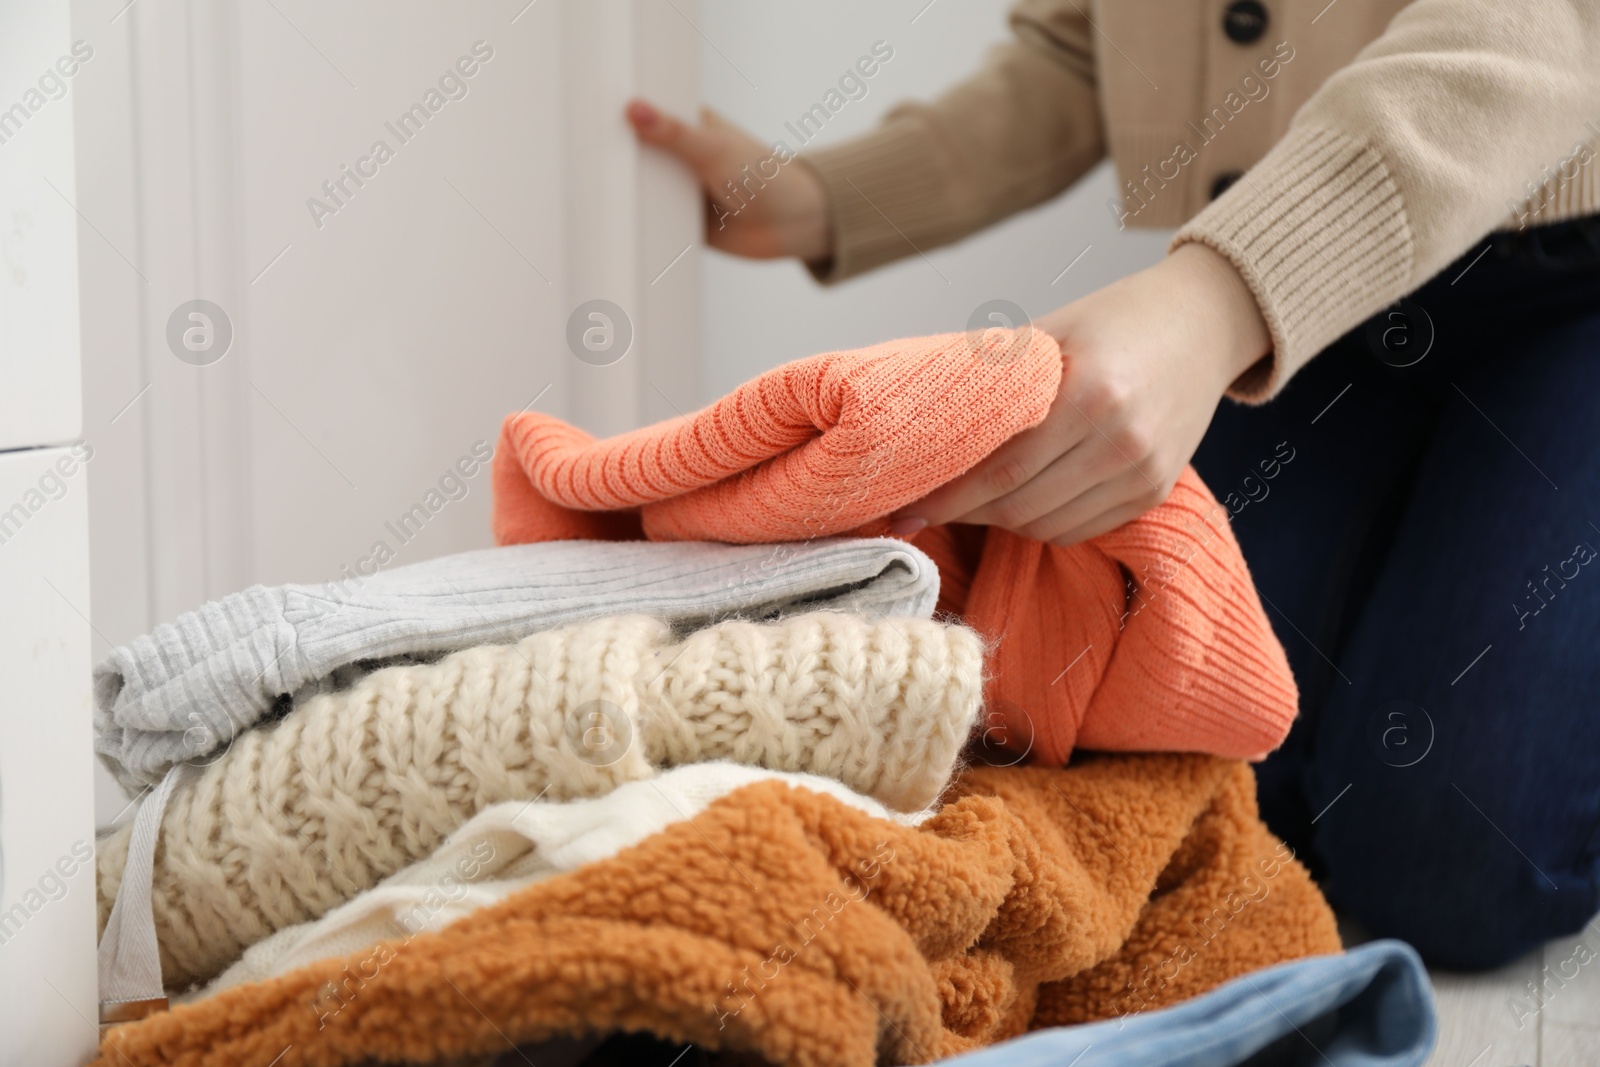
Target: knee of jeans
{"x":1484,"y":943}
{"x":1456,"y":888}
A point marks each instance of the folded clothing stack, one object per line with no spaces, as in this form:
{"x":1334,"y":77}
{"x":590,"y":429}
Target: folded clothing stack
{"x":184,"y":691}
{"x":703,"y":790}
{"x":298,"y":816}
{"x":172,"y":708}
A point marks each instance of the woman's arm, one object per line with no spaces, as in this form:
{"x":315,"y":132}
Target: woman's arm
{"x":1402,"y":160}
{"x":1019,"y":131}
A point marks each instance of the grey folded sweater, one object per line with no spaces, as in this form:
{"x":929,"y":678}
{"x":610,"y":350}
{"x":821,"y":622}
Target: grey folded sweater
{"x":183,"y":692}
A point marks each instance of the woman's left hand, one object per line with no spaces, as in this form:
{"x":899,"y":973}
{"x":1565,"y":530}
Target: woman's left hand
{"x":1147,"y":359}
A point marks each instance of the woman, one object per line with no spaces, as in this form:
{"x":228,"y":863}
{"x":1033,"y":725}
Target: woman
{"x":1415,"y":482}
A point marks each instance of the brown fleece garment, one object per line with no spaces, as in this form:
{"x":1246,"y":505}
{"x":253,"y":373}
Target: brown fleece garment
{"x":782,"y":923}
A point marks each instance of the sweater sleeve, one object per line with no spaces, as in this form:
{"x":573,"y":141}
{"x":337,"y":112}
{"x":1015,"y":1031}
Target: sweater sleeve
{"x":1022,"y":129}
{"x":1400,"y":162}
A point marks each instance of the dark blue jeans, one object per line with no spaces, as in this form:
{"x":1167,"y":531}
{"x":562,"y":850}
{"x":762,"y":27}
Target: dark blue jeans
{"x":1430,"y":557}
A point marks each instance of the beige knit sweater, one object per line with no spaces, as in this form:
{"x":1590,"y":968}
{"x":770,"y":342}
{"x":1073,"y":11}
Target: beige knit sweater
{"x":1373,"y":142}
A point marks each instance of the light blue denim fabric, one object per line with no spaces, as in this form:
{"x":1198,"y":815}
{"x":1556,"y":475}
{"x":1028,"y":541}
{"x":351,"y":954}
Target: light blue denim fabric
{"x":1369,"y":1007}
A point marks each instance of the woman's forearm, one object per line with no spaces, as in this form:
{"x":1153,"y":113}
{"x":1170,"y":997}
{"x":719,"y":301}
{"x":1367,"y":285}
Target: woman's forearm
{"x":1022,"y":129}
{"x":1402,"y":160}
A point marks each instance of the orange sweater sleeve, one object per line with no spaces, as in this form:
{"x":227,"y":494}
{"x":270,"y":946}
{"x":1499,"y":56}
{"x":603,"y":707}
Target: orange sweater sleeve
{"x":1148,"y":638}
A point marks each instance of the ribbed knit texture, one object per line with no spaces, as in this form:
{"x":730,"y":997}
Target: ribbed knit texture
{"x":824,"y":445}
{"x":1187,"y":661}
{"x":898,"y":177}
{"x":1318,"y":231}
{"x":1563,"y":197}
{"x":301,"y":815}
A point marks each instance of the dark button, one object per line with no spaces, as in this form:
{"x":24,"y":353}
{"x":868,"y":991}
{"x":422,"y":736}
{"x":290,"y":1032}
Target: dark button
{"x":1223,"y":181}
{"x":1245,"y":21}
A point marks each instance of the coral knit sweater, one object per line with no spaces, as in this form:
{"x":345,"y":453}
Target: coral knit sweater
{"x":1147,"y":638}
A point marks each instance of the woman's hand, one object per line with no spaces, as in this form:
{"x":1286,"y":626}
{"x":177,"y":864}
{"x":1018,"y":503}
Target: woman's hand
{"x":758,"y":205}
{"x":1147,"y":359}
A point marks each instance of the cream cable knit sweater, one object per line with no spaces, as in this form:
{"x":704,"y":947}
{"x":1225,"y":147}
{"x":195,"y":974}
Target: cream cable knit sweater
{"x":299,"y":816}
{"x":507,"y":847}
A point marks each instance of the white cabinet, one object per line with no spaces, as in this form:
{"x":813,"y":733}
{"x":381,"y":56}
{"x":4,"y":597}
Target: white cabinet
{"x":48,"y":1001}
{"x":47,"y":911}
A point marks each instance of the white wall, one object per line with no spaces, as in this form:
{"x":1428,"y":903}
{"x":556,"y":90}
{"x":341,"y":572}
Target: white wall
{"x":764,"y":63}
{"x":371,"y":352}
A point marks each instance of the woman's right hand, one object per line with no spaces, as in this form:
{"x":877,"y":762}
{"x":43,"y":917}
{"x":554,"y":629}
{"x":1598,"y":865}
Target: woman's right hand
{"x":756,"y":205}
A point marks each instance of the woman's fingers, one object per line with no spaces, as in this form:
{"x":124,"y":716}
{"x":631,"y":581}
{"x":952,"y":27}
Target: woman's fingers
{"x":1066,"y":478}
{"x":1102,"y":508}
{"x":1105,"y":522}
{"x":1009,"y":468}
{"x":752,"y":209}
{"x":698,"y":146}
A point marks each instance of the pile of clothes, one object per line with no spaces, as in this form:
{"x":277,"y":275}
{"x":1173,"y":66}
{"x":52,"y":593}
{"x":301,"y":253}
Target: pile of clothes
{"x":700,"y":756}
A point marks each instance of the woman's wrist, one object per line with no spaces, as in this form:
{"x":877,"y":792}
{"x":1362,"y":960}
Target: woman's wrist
{"x":1212,"y":290}
{"x":811,"y":232}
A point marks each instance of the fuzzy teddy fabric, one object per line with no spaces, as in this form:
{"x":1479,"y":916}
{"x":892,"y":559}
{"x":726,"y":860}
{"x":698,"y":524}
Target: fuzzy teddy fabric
{"x":782,"y":923}
{"x":301,"y":815}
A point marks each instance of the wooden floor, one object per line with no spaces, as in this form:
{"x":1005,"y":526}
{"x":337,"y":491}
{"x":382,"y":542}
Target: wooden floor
{"x":1498,"y":1020}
